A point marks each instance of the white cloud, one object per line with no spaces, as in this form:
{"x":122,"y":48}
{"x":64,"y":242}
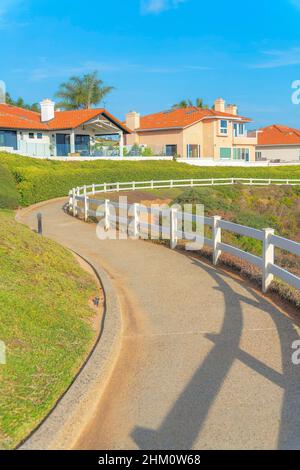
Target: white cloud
{"x":157,"y":6}
{"x":279,"y":58}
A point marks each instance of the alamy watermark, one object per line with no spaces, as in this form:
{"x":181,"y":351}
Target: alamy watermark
{"x":2,"y":353}
{"x":2,"y":92}
{"x":296,"y":353}
{"x":124,"y":221}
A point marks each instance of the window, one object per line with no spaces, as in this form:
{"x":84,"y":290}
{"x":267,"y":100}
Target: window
{"x":223,"y":127}
{"x":39,"y":135}
{"x":258,"y":156}
{"x":31,"y":135}
{"x":241,"y":154}
{"x":238,"y":129}
{"x":225,"y":152}
{"x":171,"y":150}
{"x":193,"y":151}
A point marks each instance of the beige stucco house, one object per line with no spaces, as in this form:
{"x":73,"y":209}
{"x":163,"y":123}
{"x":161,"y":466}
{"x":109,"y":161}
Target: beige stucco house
{"x":218,"y":134}
{"x":278,"y":143}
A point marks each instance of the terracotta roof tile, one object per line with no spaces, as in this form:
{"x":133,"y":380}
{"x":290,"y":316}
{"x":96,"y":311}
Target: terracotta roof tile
{"x":180,"y":118}
{"x":278,"y":134}
{"x":12,"y":117}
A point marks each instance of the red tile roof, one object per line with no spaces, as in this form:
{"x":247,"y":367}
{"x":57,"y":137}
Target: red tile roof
{"x":12,"y":117}
{"x":278,"y":135}
{"x":181,"y":118}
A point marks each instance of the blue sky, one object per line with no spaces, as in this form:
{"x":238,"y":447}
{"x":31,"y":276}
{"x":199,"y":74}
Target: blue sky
{"x":156,"y":52}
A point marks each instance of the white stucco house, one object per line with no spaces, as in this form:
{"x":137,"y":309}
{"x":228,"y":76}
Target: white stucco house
{"x":278,"y":143}
{"x":55,"y":133}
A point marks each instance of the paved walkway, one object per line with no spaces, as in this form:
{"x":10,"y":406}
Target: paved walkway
{"x":205,"y":361}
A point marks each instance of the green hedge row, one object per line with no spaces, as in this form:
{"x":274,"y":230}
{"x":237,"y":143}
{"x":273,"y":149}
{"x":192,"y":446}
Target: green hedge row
{"x":9,"y":196}
{"x":39,"y":180}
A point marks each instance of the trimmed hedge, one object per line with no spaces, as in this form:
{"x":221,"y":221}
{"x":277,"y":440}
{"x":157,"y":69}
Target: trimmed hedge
{"x":9,"y":196}
{"x":39,"y":180}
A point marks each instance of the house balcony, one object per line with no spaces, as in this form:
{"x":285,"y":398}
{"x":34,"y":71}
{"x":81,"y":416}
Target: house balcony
{"x":246,"y":139}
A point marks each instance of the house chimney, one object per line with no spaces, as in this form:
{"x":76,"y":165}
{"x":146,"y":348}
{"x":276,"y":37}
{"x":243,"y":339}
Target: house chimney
{"x":47,"y":110}
{"x":232,"y":109}
{"x":220,"y":105}
{"x":133,"y":120}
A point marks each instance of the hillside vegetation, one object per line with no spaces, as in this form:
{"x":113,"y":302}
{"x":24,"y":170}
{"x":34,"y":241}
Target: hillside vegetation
{"x":45,"y":323}
{"x":9,"y":196}
{"x":39,"y":180}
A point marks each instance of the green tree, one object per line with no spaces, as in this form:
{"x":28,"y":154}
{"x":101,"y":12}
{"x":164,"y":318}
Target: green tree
{"x":21,"y":103}
{"x":82,"y":92}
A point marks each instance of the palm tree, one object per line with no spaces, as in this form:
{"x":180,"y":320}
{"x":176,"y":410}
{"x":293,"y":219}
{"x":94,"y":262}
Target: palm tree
{"x":82,"y":92}
{"x":182,"y":104}
{"x":188,"y":103}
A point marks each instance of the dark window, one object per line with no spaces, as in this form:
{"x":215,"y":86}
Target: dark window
{"x":31,"y":135}
{"x":8,"y":139}
{"x":171,"y":150}
{"x":39,"y":135}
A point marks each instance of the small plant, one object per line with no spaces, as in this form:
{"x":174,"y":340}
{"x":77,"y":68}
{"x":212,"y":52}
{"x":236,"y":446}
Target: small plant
{"x":135,"y":151}
{"x":147,"y":152}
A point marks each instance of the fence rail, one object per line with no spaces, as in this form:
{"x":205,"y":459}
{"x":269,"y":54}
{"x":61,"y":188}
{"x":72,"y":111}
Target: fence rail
{"x":159,"y":184}
{"x":269,"y":240}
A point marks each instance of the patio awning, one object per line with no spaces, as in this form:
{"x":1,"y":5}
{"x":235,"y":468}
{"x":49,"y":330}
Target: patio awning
{"x":106,"y":124}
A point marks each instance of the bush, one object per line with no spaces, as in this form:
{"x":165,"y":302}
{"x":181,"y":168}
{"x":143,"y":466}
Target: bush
{"x":9,"y":196}
{"x":39,"y":180}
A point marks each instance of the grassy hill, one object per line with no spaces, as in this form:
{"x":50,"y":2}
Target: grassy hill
{"x":9,"y":195}
{"x":45,"y":323}
{"x":38,"y":180}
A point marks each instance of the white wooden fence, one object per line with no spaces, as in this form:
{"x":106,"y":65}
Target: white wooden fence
{"x":269,"y":240}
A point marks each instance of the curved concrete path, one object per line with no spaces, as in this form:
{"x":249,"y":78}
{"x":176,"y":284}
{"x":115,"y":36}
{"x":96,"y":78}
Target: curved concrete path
{"x":205,"y":361}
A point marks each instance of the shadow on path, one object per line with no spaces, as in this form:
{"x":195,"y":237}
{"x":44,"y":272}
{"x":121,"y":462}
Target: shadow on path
{"x":182,"y":425}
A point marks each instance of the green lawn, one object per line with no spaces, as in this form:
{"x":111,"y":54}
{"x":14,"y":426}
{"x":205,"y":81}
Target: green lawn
{"x":39,"y":180}
{"x":45,"y":322}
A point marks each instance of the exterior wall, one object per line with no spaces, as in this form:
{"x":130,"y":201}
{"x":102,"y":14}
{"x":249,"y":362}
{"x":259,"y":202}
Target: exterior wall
{"x":206,"y":134}
{"x":192,"y":135}
{"x":34,"y":146}
{"x":286,"y":153}
{"x":159,"y":139}
{"x":208,"y":129}
{"x":229,"y":141}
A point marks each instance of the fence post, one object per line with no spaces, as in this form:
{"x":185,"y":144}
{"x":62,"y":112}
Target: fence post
{"x":86,"y":207}
{"x":268,"y":259}
{"x":104,"y":187}
{"x":216,"y":238}
{"x":118,"y":186}
{"x":133,"y":185}
{"x":93,"y":189}
{"x":136,"y":220}
{"x":152,"y":184}
{"x":106,"y":215}
{"x":74,"y":202}
{"x":173,"y":228}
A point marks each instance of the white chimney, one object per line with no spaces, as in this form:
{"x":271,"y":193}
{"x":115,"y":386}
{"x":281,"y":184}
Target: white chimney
{"x":220,"y":105}
{"x":47,"y":110}
{"x":232,"y":109}
{"x":133,"y":120}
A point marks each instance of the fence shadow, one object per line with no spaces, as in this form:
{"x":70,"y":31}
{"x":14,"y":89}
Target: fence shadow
{"x":182,"y":425}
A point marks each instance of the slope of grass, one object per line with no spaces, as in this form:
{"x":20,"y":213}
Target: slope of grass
{"x":45,"y":323}
{"x":9,"y":196}
{"x":39,"y":180}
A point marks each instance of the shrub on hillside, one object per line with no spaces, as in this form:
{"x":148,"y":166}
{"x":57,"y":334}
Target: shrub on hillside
{"x":9,"y":197}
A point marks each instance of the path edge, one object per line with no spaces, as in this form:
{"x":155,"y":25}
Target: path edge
{"x":63,"y":426}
